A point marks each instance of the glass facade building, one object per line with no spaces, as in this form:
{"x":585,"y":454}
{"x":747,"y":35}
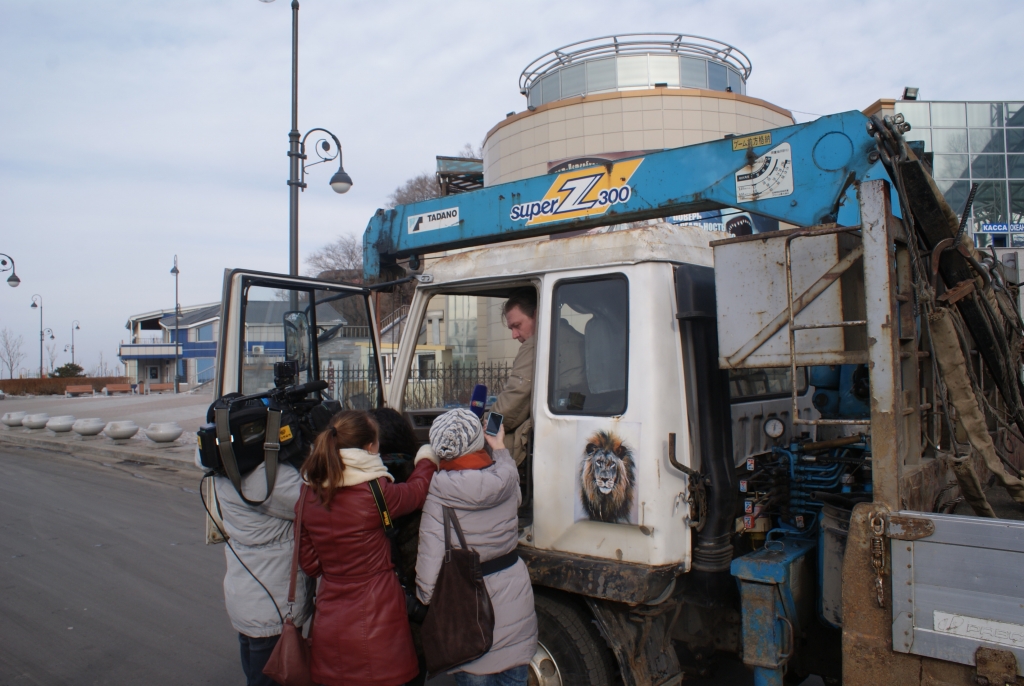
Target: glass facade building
{"x":976,"y":142}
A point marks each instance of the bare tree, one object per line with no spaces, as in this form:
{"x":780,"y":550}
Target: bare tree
{"x":101,"y":369}
{"x":471,"y":153}
{"x":417,"y":189}
{"x":424,"y":186}
{"x":342,"y":261}
{"x":11,"y":353}
{"x":51,"y":354}
{"x":343,"y":255}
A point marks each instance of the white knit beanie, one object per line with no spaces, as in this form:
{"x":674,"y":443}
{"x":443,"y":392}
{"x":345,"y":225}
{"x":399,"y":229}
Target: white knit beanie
{"x":456,"y":433}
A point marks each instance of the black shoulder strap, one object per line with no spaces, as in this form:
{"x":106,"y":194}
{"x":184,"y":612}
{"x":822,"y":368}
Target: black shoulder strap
{"x":453,"y":520}
{"x":270,"y":451}
{"x":382,"y":508}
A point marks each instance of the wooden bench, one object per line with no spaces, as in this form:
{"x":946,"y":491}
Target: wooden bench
{"x":117,"y":388}
{"x":159,"y":387}
{"x":71,"y":391}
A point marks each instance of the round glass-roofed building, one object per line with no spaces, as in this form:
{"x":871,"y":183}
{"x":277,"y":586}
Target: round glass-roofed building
{"x":623,"y":95}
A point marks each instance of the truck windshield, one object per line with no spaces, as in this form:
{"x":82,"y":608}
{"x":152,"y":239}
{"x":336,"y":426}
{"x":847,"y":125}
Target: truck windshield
{"x":462,"y":342}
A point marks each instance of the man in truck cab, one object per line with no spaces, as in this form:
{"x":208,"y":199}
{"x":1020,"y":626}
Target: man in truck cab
{"x":513,"y":403}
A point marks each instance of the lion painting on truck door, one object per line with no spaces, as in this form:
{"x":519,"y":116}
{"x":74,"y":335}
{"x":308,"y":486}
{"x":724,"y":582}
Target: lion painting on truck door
{"x":607,"y":479}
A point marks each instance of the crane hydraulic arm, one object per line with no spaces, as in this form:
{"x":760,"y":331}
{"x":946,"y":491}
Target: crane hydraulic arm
{"x":802,"y":175}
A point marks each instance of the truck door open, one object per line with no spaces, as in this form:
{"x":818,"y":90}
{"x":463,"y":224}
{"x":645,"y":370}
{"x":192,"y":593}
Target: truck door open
{"x":328,"y":329}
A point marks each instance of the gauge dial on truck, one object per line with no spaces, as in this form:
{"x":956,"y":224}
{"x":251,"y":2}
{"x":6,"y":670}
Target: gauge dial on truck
{"x":773,"y":427}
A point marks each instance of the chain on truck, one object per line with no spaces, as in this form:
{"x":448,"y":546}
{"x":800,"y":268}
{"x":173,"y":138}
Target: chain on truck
{"x":807,"y":441}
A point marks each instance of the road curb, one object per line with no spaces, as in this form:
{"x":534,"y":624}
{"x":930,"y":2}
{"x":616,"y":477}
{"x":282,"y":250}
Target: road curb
{"x":101,"y":448}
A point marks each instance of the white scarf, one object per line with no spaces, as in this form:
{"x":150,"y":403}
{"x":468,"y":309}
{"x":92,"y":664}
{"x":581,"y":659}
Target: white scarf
{"x":361,"y":466}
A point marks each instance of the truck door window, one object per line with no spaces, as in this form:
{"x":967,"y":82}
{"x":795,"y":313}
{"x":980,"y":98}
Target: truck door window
{"x":330,"y":341}
{"x":589,"y":346}
{"x":345,"y":349}
{"x":263,"y":337}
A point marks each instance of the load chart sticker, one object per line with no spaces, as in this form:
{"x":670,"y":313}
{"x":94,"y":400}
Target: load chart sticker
{"x":585,"y":192}
{"x":434,"y":220}
{"x":770,"y":176}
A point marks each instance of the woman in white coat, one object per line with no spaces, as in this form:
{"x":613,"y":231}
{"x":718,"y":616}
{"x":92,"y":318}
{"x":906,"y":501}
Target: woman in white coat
{"x":482,"y":486}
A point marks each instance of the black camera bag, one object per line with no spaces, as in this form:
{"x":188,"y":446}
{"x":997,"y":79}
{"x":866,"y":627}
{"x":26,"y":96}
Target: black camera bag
{"x":239,"y":436}
{"x":248,"y":421}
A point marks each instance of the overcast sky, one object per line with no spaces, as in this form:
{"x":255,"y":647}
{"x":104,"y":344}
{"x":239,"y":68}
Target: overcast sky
{"x":134,"y":131}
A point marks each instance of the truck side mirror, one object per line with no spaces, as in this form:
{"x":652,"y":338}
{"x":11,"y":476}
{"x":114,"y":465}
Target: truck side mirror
{"x":296,"y":339}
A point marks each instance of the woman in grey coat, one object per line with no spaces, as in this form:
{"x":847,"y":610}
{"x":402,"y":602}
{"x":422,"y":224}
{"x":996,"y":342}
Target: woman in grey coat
{"x":483,"y":489}
{"x":261,"y":538}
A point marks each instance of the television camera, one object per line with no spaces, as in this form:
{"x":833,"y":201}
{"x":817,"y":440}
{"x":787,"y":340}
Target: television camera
{"x":240,"y":430}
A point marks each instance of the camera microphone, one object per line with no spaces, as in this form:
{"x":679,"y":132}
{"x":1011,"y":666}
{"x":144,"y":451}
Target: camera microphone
{"x":478,"y":400}
{"x":307,"y":388}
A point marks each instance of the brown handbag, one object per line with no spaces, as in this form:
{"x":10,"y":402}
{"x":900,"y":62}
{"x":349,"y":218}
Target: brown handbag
{"x":459,"y":626}
{"x":289,"y":663}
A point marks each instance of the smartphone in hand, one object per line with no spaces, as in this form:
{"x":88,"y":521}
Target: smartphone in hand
{"x":494,"y":421}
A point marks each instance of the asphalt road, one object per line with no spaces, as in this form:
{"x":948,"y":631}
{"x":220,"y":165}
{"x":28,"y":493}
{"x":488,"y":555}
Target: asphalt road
{"x":105,"y":578}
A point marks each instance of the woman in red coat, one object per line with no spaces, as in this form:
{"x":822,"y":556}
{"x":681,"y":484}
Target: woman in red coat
{"x":361,"y":631}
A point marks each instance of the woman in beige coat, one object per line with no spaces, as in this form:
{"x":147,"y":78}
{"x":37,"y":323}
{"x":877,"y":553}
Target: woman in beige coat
{"x":483,"y":488}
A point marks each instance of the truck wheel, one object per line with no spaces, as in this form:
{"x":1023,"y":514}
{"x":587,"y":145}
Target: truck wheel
{"x":570,"y":651}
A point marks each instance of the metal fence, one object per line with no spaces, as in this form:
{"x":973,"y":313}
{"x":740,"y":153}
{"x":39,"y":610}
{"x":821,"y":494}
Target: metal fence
{"x":355,"y":387}
{"x":444,"y":386}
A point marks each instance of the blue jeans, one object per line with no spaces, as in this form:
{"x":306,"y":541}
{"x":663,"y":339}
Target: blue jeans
{"x":510,"y":677}
{"x":255,"y":653}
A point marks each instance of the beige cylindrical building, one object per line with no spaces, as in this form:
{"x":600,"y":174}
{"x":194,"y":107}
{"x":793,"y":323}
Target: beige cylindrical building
{"x":624,"y":95}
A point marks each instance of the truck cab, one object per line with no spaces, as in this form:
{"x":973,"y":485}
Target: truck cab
{"x":613,"y":299}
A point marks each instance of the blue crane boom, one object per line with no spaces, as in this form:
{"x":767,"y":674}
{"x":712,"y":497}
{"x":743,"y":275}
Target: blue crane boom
{"x":801,"y":174}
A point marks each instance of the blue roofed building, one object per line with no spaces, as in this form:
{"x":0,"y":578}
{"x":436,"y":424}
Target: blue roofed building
{"x":149,"y":354}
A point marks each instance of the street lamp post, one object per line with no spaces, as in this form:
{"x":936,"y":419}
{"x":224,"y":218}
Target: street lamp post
{"x":39,"y":304}
{"x":293,"y":152}
{"x":13,"y":279}
{"x":177,"y":355}
{"x":47,"y":330}
{"x":340,"y":182}
{"x":74,"y":328}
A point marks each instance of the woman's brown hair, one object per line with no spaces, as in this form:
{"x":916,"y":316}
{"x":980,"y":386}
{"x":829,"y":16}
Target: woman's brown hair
{"x":323,"y":469}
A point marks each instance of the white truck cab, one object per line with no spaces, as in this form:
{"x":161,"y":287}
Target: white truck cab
{"x":609,"y":298}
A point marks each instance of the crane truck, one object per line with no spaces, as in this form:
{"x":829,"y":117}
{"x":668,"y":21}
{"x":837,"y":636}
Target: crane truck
{"x":781,"y":445}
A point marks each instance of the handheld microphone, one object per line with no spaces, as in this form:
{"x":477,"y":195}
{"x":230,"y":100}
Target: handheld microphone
{"x":478,"y":400}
